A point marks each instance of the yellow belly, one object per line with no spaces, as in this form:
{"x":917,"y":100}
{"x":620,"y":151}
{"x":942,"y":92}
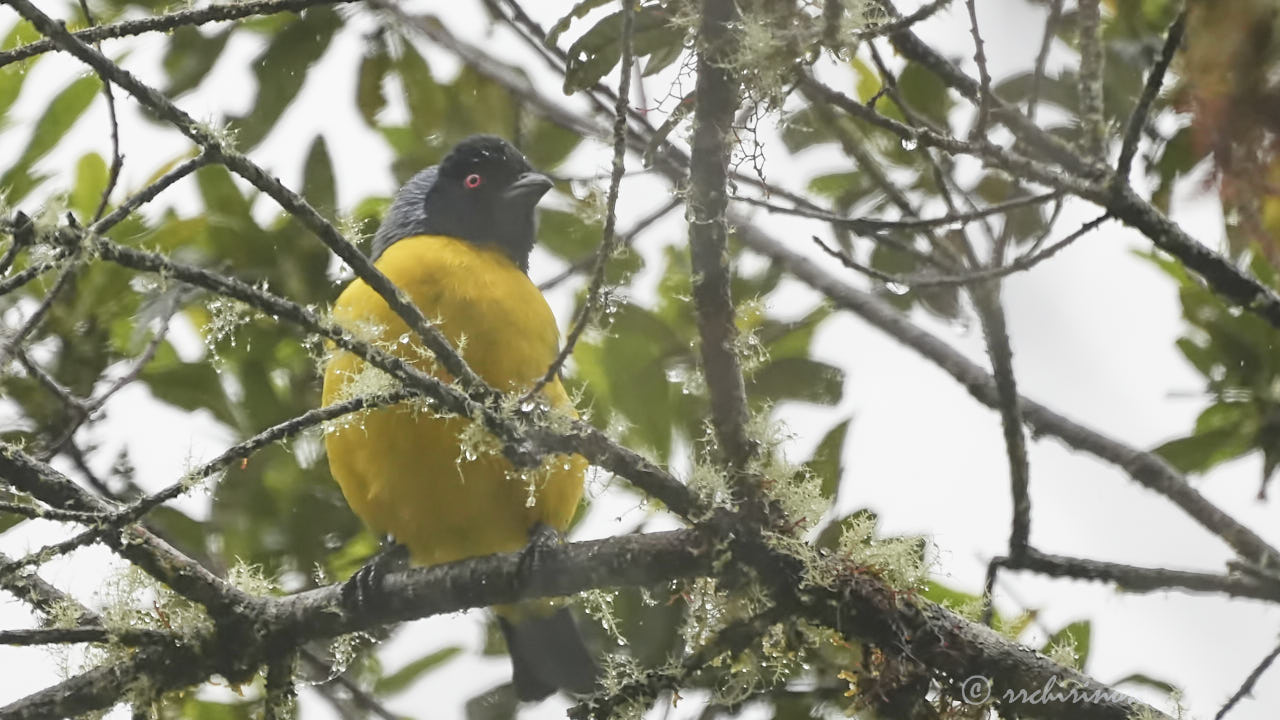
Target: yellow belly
{"x":406,"y":473}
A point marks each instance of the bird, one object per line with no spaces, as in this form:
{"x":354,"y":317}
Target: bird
{"x":457,"y":240}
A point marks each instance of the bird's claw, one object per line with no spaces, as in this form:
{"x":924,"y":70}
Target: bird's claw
{"x":542,"y":537}
{"x":363,"y":589}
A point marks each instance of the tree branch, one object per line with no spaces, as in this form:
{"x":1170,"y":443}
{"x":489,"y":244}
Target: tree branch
{"x":171,"y":21}
{"x":609,"y":239}
{"x":716,"y":100}
{"x":1147,"y":468}
{"x":1134,"y":579}
{"x":1093,"y":119}
{"x":290,"y":201}
{"x":1138,"y":118}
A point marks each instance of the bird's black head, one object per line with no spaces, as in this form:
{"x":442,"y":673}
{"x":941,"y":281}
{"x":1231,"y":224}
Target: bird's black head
{"x":484,"y":192}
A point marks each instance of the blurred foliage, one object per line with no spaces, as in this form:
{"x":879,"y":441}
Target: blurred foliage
{"x":1238,"y":354}
{"x":637,"y":374}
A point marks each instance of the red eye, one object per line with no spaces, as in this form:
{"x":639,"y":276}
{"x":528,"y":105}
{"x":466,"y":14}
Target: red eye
{"x":473,"y":181}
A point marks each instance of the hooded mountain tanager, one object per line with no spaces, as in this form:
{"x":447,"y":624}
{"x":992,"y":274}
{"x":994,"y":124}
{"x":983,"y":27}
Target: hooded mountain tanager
{"x":457,"y":241}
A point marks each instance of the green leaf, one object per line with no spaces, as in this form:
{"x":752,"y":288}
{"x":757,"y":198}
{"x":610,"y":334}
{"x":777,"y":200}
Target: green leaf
{"x":401,"y":679}
{"x":190,"y":386}
{"x":628,"y":370}
{"x":547,"y":144}
{"x":798,"y":378}
{"x":1076,"y":635}
{"x":426,"y":99}
{"x":925,"y":93}
{"x":222,"y":198}
{"x":53,"y":124}
{"x":567,"y":235}
{"x":662,"y":58}
{"x":190,"y":56}
{"x":370,"y":99}
{"x":91,"y":180}
{"x":281,"y":69}
{"x":827,"y":463}
{"x":599,"y":49}
{"x":317,"y":179}
{"x":13,"y":75}
{"x":792,"y":339}
{"x":577,"y":12}
{"x":1201,"y":357}
{"x":1223,"y":431}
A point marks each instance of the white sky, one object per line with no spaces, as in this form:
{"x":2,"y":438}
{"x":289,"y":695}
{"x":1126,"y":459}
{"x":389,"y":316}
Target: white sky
{"x":1092,"y":331}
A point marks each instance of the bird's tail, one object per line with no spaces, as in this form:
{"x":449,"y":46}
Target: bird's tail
{"x":547,"y":654}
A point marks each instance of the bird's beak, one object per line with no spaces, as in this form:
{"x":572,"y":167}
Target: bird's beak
{"x":528,"y":187}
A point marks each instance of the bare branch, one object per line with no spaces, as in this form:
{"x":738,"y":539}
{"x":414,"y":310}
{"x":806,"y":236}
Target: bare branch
{"x":524,"y":446}
{"x":980,"y":57}
{"x":33,"y":321}
{"x":986,"y":298}
{"x":1246,"y":688}
{"x":1117,"y":197}
{"x":1093,"y":121}
{"x":150,"y":192}
{"x":716,"y":99}
{"x":171,"y":21}
{"x":152,"y":555}
{"x":926,"y":280}
{"x":625,"y":239}
{"x":259,"y":178}
{"x":1138,"y":118}
{"x":869,"y":225}
{"x":111,"y":522}
{"x":1133,"y":579}
{"x":609,"y":241}
{"x":1146,"y":468}
{"x":1042,"y":57}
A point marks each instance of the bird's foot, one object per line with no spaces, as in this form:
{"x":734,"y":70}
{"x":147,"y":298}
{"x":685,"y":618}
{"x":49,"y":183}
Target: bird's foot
{"x":362,"y":590}
{"x":542,"y":537}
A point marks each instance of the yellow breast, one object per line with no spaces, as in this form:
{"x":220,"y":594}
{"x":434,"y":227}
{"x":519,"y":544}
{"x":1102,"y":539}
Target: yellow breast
{"x":410,"y":475}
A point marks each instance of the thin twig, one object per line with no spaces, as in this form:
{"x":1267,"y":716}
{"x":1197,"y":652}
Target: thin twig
{"x":85,"y":634}
{"x":22,"y":234}
{"x":865,"y":225}
{"x":36,"y":512}
{"x":980,"y":57}
{"x":1093,"y":121}
{"x":525,"y":447}
{"x":150,"y":192}
{"x":1138,"y":118}
{"x":135,"y":511}
{"x":358,"y":694}
{"x":1144,"y":467}
{"x":1042,"y":57}
{"x":117,"y":160}
{"x":37,"y":316}
{"x":164,"y":23}
{"x":290,"y":201}
{"x":609,"y":241}
{"x":1246,"y":688}
{"x":715,"y":101}
{"x":84,"y":409}
{"x":923,"y":13}
{"x":625,"y":239}
{"x":1135,"y":579}
{"x":986,"y":298}
{"x":1221,"y":273}
{"x":926,"y":280}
